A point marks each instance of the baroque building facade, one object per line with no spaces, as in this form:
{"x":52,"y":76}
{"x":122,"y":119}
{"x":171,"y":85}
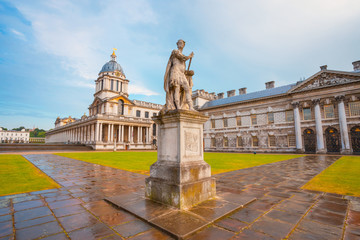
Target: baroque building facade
{"x":114,"y":121}
{"x":320,"y":114}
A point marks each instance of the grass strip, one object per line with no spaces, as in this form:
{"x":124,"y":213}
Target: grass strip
{"x":342,"y":177}
{"x":18,"y":175}
{"x":140,"y":162}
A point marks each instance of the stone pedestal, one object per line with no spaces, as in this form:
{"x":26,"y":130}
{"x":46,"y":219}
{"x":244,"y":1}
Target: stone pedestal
{"x":180,"y":177}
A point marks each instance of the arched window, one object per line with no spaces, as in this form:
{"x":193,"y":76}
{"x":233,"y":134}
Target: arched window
{"x":121,"y":107}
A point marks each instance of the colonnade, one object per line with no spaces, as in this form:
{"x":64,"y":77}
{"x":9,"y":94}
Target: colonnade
{"x":345,"y":143}
{"x":107,"y":132}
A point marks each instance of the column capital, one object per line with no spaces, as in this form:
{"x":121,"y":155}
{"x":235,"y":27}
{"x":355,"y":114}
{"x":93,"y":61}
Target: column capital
{"x":340,"y":98}
{"x":295,"y":104}
{"x":315,"y":101}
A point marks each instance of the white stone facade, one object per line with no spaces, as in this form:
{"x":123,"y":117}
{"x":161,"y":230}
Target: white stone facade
{"x":114,"y":121}
{"x":10,"y":136}
{"x":318,"y":115}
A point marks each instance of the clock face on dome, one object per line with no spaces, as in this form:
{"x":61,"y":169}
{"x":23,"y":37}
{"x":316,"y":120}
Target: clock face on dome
{"x":117,"y":74}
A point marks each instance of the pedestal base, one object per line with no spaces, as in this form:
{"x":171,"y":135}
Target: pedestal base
{"x":345,"y":152}
{"x":180,"y":178}
{"x":181,"y":196}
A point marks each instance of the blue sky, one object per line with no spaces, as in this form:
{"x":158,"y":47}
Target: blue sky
{"x":51,"y":51}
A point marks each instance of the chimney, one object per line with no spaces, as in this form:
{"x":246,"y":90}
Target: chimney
{"x":220,"y":95}
{"x":231,"y":93}
{"x":324,"y":67}
{"x":270,"y":84}
{"x":242,"y":91}
{"x":356,"y":65}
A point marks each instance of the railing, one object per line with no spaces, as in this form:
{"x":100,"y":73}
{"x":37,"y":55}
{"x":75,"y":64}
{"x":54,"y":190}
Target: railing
{"x":36,"y":140}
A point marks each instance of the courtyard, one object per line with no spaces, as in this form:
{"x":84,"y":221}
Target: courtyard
{"x":74,"y":207}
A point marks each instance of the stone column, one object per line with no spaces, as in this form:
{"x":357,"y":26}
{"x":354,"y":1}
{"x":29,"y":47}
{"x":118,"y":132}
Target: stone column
{"x":112,"y":133}
{"x":80,"y":134}
{"x":96,"y":132}
{"x":119,"y":134}
{"x":319,"y":129}
{"x":297,"y":123}
{"x":92,"y":133}
{"x":108,"y":135}
{"x":100,"y":132}
{"x":147,"y":135}
{"x":122,"y":133}
{"x":131,"y":134}
{"x":344,"y":134}
{"x":141,"y":135}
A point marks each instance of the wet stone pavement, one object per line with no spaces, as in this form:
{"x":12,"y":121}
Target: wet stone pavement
{"x":77,"y":209}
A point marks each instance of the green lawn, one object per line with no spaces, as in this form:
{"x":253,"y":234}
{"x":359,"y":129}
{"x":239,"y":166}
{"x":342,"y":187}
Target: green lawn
{"x":18,"y":175}
{"x":342,"y":177}
{"x":226,"y":162}
{"x":140,"y":162}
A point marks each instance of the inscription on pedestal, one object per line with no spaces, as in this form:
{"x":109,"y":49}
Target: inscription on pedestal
{"x":191,"y":142}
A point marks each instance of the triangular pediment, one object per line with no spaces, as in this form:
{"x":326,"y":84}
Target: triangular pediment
{"x":326,"y":78}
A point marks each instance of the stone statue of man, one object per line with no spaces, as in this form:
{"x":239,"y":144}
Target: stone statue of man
{"x":178,"y":81}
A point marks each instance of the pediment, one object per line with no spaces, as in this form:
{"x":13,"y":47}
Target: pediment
{"x":96,"y":101}
{"x":326,"y":78}
{"x":121,"y":97}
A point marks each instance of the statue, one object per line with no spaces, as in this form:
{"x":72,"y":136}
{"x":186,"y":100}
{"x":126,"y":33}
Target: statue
{"x":178,"y":81}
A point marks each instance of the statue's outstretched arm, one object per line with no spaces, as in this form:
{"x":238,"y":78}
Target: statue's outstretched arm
{"x":180,"y":56}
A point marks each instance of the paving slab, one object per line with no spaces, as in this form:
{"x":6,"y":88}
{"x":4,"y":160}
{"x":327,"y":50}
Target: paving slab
{"x":179,"y":223}
{"x":277,"y":186}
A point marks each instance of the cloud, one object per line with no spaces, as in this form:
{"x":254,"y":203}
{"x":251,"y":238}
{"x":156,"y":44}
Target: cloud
{"x":138,"y":89}
{"x":278,"y":31}
{"x":18,"y":34}
{"x":81,"y":33}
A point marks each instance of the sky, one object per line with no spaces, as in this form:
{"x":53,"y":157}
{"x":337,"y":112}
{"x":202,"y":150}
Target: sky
{"x":51,"y":51}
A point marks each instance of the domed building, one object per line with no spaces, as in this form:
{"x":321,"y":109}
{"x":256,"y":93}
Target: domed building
{"x":114,"y":121}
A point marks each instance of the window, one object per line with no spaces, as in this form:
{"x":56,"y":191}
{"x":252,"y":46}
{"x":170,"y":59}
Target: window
{"x":354,"y":108}
{"x":154,"y":114}
{"x":225,"y":121}
{"x":253,"y":120}
{"x":213,"y":142}
{"x":121,"y":85}
{"x":226,"y":142}
{"x":271,"y":117}
{"x":255,"y":141}
{"x":239,"y":141}
{"x":117,"y":85}
{"x":154,"y":129}
{"x":138,"y":113}
{"x":291,"y":141}
{"x":112,"y":85}
{"x":329,"y":111}
{"x":307,"y":113}
{"x":212,"y":123}
{"x":238,"y":121}
{"x":146,"y":114}
{"x":102,"y":84}
{"x":121,"y":107}
{"x":289,"y":115}
{"x":272,"y":142}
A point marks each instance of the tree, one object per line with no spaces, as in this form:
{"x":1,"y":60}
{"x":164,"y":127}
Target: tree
{"x":19,"y":128}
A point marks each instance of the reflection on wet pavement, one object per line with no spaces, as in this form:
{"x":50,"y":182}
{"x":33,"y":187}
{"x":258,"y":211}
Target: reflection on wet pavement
{"x":78,"y":211}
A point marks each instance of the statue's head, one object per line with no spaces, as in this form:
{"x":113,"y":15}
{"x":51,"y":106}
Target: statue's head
{"x":180,"y":43}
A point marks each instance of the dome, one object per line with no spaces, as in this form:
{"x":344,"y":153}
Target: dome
{"x":112,"y":66}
